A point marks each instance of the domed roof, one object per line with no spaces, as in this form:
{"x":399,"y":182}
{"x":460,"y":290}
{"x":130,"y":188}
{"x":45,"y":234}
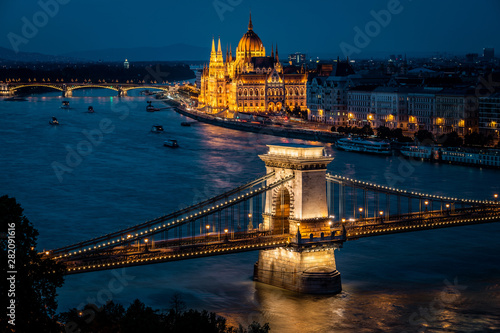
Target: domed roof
{"x":250,"y":41}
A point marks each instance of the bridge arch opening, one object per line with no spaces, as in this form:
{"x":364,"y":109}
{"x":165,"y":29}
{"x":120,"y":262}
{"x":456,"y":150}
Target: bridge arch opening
{"x":281,"y":223}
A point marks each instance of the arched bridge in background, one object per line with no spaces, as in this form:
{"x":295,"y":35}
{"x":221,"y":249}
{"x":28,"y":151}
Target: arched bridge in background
{"x":296,"y":213}
{"x":68,"y":88}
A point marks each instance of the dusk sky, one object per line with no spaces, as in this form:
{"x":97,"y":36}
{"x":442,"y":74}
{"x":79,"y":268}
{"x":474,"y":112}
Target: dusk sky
{"x":313,"y":27}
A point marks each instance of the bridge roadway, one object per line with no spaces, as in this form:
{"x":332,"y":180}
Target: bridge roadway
{"x":212,"y":245}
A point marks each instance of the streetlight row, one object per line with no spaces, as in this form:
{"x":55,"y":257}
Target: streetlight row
{"x":412,"y":193}
{"x":184,"y":219}
{"x":277,"y":243}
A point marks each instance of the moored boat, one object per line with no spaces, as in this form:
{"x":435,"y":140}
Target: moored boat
{"x":420,"y":152}
{"x":90,"y":109}
{"x":364,"y":146}
{"x":65,"y":105}
{"x":470,"y":156}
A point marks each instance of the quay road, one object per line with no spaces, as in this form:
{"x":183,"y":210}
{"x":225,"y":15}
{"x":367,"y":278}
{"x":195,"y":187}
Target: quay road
{"x":286,"y":132}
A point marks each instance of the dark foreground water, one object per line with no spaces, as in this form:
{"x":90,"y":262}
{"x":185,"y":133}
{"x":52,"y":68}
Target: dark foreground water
{"x":100,"y":172}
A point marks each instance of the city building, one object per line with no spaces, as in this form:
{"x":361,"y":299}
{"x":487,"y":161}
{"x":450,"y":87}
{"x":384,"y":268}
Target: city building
{"x":297,"y":58}
{"x":327,"y":92}
{"x":126,"y":65}
{"x":251,"y":81}
{"x":488,"y":53}
{"x":489,"y":115}
{"x":456,"y":111}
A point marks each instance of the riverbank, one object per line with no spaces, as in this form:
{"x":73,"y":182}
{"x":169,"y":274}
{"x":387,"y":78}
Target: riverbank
{"x":291,"y":133}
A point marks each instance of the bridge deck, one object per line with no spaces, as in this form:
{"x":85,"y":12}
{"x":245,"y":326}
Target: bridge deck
{"x":217,"y":244}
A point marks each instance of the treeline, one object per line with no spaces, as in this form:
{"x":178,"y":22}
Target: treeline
{"x":140,"y":318}
{"x":110,"y":73}
{"x":31,"y":306}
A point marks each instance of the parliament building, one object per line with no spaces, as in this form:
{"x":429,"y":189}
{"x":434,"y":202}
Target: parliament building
{"x":250,"y":81}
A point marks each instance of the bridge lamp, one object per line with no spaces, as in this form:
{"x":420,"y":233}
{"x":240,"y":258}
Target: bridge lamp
{"x":226,"y":231}
{"x":447,"y":205}
{"x":343,"y":220}
{"x":381,"y":212}
{"x":207,"y":226}
{"x":495,"y":196}
{"x":47,"y":252}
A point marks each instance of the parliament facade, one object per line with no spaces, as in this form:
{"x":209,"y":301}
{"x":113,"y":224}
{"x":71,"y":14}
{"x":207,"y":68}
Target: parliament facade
{"x":250,"y":81}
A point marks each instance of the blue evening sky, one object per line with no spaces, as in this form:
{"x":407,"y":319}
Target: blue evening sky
{"x":321,"y":26}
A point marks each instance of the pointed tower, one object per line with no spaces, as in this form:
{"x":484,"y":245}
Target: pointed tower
{"x":272,"y":51}
{"x":277,"y":57}
{"x":250,"y":25}
{"x":219,"y":57}
{"x":213,"y":55}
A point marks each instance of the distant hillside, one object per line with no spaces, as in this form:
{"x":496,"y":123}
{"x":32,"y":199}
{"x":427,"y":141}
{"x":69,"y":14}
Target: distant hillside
{"x":10,"y":55}
{"x":166,"y":53}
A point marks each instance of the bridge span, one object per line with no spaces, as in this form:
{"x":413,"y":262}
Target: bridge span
{"x":296,"y":215}
{"x":9,"y":89}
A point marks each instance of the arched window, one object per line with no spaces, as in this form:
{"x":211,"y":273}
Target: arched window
{"x":245,"y":92}
{"x":239,"y":92}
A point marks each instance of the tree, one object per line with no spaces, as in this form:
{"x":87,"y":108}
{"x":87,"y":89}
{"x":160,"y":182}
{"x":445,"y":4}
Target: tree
{"x":476,"y":139}
{"x":332,"y":129}
{"x":383,"y":132}
{"x":366,"y":130}
{"x":424,"y":137}
{"x":450,"y":140}
{"x":36,"y":279}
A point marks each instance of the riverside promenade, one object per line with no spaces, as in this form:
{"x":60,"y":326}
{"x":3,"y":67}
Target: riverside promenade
{"x":286,"y":132}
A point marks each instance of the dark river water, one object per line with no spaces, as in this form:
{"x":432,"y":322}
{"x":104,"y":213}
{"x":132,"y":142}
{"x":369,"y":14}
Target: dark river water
{"x":100,"y":172}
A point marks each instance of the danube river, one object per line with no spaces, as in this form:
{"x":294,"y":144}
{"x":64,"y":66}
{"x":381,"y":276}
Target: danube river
{"x":100,"y":172}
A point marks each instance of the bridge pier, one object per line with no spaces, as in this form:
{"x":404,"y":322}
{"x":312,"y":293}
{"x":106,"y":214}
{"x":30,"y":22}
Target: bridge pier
{"x":299,"y":208}
{"x":122,"y":93}
{"x":67,"y":93}
{"x":4,"y":90}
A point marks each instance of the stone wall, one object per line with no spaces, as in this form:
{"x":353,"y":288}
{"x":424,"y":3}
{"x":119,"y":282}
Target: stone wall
{"x":305,"y":272}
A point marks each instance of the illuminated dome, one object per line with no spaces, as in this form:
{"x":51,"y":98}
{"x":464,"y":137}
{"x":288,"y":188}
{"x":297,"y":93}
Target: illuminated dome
{"x":250,"y":41}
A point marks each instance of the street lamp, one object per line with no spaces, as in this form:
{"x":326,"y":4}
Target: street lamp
{"x":360,"y":212}
{"x":146,"y":241}
{"x":426,"y":203}
{"x":381,"y":213}
{"x":495,"y":196}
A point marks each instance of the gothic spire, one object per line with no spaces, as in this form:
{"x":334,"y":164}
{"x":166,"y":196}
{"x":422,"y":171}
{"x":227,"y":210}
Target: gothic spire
{"x":250,"y":25}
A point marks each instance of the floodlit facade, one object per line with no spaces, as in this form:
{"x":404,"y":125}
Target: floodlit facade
{"x":250,"y":81}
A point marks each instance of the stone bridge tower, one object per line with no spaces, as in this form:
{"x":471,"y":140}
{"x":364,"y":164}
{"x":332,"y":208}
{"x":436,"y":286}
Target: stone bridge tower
{"x":299,"y":208}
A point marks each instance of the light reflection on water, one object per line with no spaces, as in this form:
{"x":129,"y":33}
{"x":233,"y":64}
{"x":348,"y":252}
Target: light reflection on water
{"x":130,"y":177}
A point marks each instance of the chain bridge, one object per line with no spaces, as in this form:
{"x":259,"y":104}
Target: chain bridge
{"x":296,"y":215}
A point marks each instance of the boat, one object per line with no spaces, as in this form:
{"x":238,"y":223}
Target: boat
{"x":90,"y":109}
{"x":157,"y":129}
{"x":419,"y":152}
{"x":364,"y":146}
{"x":65,"y":105}
{"x":151,"y":108}
{"x":185,"y":123}
{"x":15,"y":99}
{"x":171,"y":144}
{"x":471,"y":156}
{"x":54,"y":121}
